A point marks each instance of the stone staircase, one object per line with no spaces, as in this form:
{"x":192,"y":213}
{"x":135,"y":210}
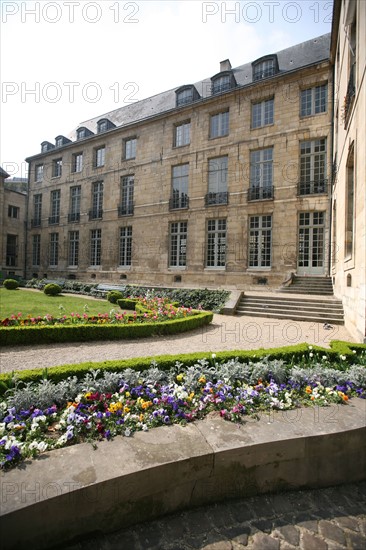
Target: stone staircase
{"x":292,"y":302}
{"x":309,"y":285}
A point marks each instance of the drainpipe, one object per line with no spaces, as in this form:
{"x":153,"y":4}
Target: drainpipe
{"x":331,"y":182}
{"x":26,"y":225}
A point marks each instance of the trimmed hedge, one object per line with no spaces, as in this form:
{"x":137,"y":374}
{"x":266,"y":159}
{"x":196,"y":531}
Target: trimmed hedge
{"x":113,"y":296}
{"x":290,"y":354}
{"x":52,"y":289}
{"x":29,"y":335}
{"x":11,"y":284}
{"x":127,"y":303}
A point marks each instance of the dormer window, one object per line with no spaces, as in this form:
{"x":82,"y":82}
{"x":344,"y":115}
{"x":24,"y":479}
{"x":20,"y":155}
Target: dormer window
{"x":46,"y":146}
{"x":104,"y":124}
{"x":223,"y":82}
{"x":186,"y":94}
{"x":61,"y":140}
{"x":83,"y":132}
{"x":265,"y":67}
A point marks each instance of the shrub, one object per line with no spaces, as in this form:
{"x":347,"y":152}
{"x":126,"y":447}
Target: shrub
{"x":127,"y":303}
{"x":113,"y":296}
{"x":52,"y":289}
{"x":11,"y":284}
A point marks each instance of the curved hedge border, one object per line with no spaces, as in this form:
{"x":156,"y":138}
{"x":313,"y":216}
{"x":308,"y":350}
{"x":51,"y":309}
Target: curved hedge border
{"x":288,"y":353}
{"x":15,"y":336}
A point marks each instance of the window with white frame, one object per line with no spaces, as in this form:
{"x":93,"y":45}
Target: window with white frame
{"x":314,"y":100}
{"x":185,"y":96}
{"x":125,"y":246}
{"x":38,"y":173}
{"x":56,"y":168}
{"x":262,"y":113}
{"x":260,"y":241}
{"x":75,"y":202}
{"x":55,"y":206}
{"x":265,"y":68}
{"x":36,"y":250}
{"x":73,"y":248}
{"x":97,"y":200}
{"x":222,"y":83}
{"x":313,"y":167}
{"x":182,"y":134}
{"x":77,"y":162}
{"x":216,"y":243}
{"x":37,"y":210}
{"x":178,"y":244}
{"x":179,"y":198}
{"x":261,"y":174}
{"x":217,"y":181}
{"x":99,"y":156}
{"x":95,"y":246}
{"x":54,"y":249}
{"x":219,"y":124}
{"x":129,"y":145}
{"x":127,"y":194}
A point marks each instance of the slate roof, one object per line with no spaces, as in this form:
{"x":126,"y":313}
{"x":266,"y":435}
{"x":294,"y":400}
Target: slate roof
{"x":3,"y":174}
{"x":291,"y":59}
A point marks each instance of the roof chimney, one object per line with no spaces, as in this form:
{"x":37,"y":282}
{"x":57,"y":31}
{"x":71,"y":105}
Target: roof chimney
{"x":225,"y":65}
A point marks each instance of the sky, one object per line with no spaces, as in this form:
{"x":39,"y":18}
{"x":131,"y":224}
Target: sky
{"x":66,"y":61}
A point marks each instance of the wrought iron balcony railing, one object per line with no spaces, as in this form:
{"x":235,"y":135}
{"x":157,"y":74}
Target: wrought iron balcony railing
{"x":216,"y":198}
{"x":350,"y":95}
{"x":125,"y":210}
{"x":36,"y":222}
{"x":53,"y":220}
{"x":312,"y":187}
{"x":96,"y":214}
{"x":177,"y":203}
{"x":73,"y":217}
{"x":260,"y":193}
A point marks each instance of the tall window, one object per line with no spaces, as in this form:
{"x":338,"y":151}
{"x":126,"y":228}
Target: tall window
{"x":184,"y":96}
{"x":127,"y":193}
{"x":99,"y":157}
{"x":73,"y":248}
{"x":11,"y":250}
{"x":178,"y":244}
{"x":75,"y":199}
{"x":55,"y":207}
{"x":38,"y":173}
{"x":36,"y":250}
{"x":262,"y":113}
{"x":97,"y":200}
{"x":222,"y":83}
{"x":179,"y":198}
{"x":54,"y":249}
{"x":216,"y":243}
{"x":57,"y":168}
{"x":182,"y":134}
{"x":314,"y":100}
{"x":313,"y":167}
{"x":95,"y":246}
{"x":217,"y":181}
{"x":77,"y":162}
{"x":260,"y":241}
{"x":37,"y":210}
{"x":125,"y":246}
{"x":219,"y":124}
{"x":261,"y":174}
{"x":130,"y":148}
{"x":350,"y":194}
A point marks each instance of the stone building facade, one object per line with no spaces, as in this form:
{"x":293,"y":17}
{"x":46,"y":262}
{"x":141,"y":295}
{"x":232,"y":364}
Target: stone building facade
{"x":348,"y":55}
{"x":221,"y":183}
{"x":13,"y":202}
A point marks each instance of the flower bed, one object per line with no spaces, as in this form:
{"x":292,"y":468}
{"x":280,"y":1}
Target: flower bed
{"x":155,"y":316}
{"x":36,"y":417}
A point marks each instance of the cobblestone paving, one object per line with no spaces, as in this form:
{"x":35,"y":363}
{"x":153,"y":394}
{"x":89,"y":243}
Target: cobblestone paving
{"x":326,"y":519}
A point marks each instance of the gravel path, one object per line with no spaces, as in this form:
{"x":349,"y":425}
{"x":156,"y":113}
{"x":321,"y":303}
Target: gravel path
{"x":225,"y":333}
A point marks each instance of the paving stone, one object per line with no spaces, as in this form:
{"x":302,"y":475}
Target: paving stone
{"x":261,"y":508}
{"x":242,"y":512}
{"x":307,"y":522}
{"x":219,"y":516}
{"x":356,"y":541}
{"x":241,"y":539}
{"x":223,"y":545}
{"x":348,"y":523}
{"x":286,"y":546}
{"x":263,"y":525}
{"x":234,"y":533}
{"x":331,"y":531}
{"x":261,"y":541}
{"x":281,"y":504}
{"x":312,"y":542}
{"x":290,"y":534}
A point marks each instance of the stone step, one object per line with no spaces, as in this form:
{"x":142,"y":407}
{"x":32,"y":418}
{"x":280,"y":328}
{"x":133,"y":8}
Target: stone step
{"x":292,"y":316}
{"x":303,"y":290}
{"x":335,"y":309}
{"x":290,"y":300}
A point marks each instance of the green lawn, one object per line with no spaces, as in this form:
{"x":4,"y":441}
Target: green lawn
{"x":37,"y":303}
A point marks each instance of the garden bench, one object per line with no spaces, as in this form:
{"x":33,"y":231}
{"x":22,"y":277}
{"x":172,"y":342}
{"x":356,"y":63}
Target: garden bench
{"x":103,"y":289}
